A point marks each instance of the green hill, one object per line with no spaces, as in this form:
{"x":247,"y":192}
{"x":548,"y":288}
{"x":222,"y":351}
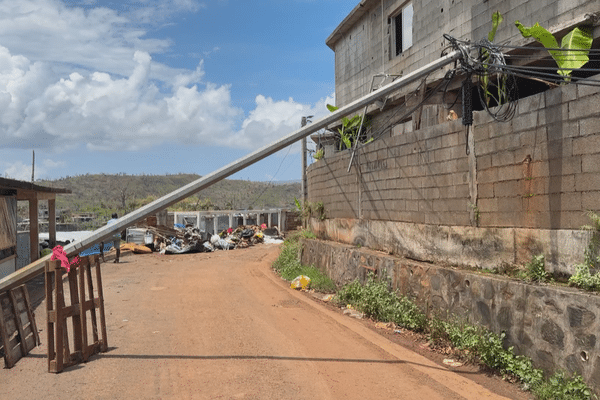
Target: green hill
{"x":103,"y":194}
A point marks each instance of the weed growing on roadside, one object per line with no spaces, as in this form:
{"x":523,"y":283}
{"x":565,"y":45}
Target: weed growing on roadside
{"x":535,"y":270}
{"x":377,"y":301}
{"x":583,"y":277}
{"x":561,"y":387}
{"x":288,"y":265}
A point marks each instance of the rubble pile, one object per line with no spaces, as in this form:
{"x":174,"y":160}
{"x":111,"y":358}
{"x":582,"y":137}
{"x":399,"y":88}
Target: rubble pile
{"x":189,"y":239}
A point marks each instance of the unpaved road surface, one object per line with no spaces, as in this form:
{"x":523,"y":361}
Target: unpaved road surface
{"x":223,"y":326}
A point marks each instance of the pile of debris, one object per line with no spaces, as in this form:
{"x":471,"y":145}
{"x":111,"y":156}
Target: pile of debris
{"x":188,"y":239}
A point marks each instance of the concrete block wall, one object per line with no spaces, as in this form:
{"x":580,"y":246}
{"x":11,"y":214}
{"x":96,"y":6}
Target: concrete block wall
{"x":363,"y":47}
{"x":535,"y":177}
{"x":541,"y":170}
{"x":556,"y":327}
{"x":419,"y":176}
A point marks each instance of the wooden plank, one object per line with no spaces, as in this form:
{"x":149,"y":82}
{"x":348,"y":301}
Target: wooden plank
{"x":58,"y":325}
{"x":18,"y":321}
{"x":83,"y":306}
{"x":76,"y":317}
{"x":31,"y":317}
{"x":52,"y":317}
{"x":4,"y":332}
{"x":34,"y":238}
{"x":88,"y":272}
{"x":104,"y":345}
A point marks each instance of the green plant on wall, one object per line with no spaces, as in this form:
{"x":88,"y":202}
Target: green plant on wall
{"x":586,"y":274}
{"x":319,"y":154}
{"x":571,"y":54}
{"x":535,"y":270}
{"x":308,"y":209}
{"x":349,"y":132}
{"x":500,"y":96}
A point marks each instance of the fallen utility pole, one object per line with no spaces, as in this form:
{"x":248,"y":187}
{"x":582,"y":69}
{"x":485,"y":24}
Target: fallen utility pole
{"x":102,"y":234}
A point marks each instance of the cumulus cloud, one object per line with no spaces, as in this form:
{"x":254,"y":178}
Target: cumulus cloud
{"x":89,"y":39}
{"x":21,"y":171}
{"x":85,"y":76}
{"x":39,"y":110}
{"x":107,"y":112}
{"x":18,"y":171}
{"x":271,"y":120}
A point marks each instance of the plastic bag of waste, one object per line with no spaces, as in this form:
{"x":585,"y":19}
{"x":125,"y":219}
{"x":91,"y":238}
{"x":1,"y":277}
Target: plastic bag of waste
{"x":247,"y":233}
{"x":300,"y":282}
{"x":219,"y":243}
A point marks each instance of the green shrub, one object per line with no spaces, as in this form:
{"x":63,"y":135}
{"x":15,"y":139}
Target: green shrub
{"x":535,"y":270}
{"x":376,"y":300}
{"x":583,"y":277}
{"x":288,"y":265}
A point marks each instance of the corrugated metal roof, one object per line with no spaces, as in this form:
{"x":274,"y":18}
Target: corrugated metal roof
{"x":6,"y":183}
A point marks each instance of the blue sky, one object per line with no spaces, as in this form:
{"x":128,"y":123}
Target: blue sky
{"x":156,"y":87}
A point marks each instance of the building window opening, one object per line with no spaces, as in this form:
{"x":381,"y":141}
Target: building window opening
{"x":403,"y":28}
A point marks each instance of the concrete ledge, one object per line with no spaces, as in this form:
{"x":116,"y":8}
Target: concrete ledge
{"x":556,"y":327}
{"x":463,"y":246}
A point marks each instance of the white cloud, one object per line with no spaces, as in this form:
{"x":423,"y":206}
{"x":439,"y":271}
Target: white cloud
{"x":49,"y":164}
{"x":86,"y":76}
{"x":39,"y":110}
{"x":272,"y":120}
{"x":109,"y":113}
{"x":90,"y":39}
{"x":21,"y":171}
{"x":18,"y":171}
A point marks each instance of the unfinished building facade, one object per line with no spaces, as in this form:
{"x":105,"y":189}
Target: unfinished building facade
{"x":487,"y":196}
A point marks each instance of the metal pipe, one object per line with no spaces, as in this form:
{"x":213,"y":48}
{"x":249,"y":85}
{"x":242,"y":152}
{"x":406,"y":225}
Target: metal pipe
{"x":105,"y":232}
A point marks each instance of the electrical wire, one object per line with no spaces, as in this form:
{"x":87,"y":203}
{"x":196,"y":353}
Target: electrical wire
{"x":487,"y":61}
{"x":273,"y":177}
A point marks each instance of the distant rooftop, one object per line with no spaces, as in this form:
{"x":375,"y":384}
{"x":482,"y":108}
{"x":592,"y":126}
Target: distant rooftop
{"x":21,"y":188}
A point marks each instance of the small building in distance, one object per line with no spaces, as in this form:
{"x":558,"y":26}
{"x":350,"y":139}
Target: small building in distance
{"x":18,"y":249}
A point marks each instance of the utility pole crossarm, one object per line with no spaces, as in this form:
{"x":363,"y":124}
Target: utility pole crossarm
{"x":105,"y":232}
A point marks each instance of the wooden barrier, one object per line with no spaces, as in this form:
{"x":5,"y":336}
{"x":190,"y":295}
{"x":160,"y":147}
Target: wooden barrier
{"x":80,"y":282}
{"x":18,"y":331}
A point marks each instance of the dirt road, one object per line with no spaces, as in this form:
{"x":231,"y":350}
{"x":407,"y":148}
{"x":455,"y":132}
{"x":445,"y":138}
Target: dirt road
{"x":223,"y":326}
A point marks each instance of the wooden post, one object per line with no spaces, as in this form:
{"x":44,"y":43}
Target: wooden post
{"x":34,"y":251}
{"x":100,"y":304}
{"x":269,"y":220}
{"x":52,"y":222}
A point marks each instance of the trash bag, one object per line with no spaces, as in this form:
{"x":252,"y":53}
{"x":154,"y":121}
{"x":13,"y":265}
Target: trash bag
{"x":222,"y":244}
{"x":247,"y":233}
{"x":208,"y":247}
{"x":300,"y":282}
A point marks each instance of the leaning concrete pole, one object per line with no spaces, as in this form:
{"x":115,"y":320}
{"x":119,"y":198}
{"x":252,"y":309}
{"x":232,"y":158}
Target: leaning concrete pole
{"x":101,"y":234}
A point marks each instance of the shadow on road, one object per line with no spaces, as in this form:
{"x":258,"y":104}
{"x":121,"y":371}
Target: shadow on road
{"x":242,"y":357}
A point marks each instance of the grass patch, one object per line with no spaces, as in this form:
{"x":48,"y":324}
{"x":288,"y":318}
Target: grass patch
{"x":288,"y":265}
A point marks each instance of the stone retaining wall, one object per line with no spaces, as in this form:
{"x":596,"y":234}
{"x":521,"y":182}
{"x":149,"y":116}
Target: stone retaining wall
{"x":556,"y":327}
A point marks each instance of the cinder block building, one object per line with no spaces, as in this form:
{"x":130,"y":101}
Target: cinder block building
{"x":487,"y":196}
{"x":525,"y":183}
